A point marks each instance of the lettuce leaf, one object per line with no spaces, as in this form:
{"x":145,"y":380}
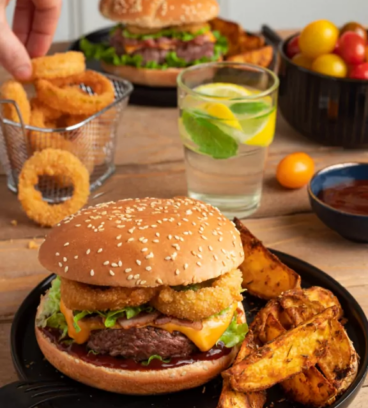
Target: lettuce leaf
{"x":51,"y":315}
{"x":155,"y":357}
{"x":104,"y":52}
{"x":234,"y":334}
{"x":166,"y":32}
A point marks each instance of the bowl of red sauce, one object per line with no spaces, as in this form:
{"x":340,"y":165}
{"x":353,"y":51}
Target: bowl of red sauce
{"x":339,"y":197}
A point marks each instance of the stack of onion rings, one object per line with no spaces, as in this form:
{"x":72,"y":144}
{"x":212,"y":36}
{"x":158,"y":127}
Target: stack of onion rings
{"x":14,"y":90}
{"x":197,"y":305}
{"x":52,"y":162}
{"x":80,"y":296}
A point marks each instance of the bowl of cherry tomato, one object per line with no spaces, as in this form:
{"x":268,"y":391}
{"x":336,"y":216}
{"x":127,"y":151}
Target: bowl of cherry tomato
{"x":324,"y":83}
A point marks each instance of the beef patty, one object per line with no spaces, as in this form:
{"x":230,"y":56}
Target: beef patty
{"x":141,"y":343}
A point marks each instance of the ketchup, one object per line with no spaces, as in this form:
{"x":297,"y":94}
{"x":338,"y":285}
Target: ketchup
{"x":104,"y":360}
{"x":348,"y":197}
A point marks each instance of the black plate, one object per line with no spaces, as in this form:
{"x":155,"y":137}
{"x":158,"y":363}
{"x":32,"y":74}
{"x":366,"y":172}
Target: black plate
{"x":30,"y":364}
{"x":143,"y":95}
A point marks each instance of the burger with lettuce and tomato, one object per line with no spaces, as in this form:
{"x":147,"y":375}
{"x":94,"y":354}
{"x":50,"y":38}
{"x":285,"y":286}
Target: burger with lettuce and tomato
{"x":146,"y":298}
{"x":154,"y":40}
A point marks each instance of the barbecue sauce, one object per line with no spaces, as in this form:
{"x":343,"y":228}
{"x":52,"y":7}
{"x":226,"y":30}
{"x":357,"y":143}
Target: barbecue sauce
{"x":80,"y":351}
{"x":348,"y":197}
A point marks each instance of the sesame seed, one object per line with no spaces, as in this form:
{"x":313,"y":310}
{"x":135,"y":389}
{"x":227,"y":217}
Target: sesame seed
{"x":92,"y":272}
{"x":177,"y":272}
{"x":118,"y":237}
{"x":185,"y":219}
{"x":143,"y":282}
{"x":130,"y":277}
{"x":119,"y":244}
{"x":65,"y":259}
{"x":193,"y":223}
{"x":136,"y":276}
{"x":220,"y":239}
{"x":199,"y":264}
{"x":131,"y":230}
{"x":88,"y":251}
{"x":215,"y":257}
{"x":186,"y":266}
{"x":174,"y":255}
{"x":141,"y":239}
{"x":111,"y":273}
{"x":66,"y":244}
{"x":199,"y":256}
{"x":200,"y":249}
{"x":57,"y":254}
{"x":169,"y":236}
{"x":66,"y":269}
{"x":154,"y":226}
{"x":60,"y":264}
{"x":76,"y":257}
{"x":148,"y":268}
{"x":156,"y":241}
{"x":223,"y":251}
{"x":106,"y":262}
{"x":100,"y":250}
{"x":210,"y":248}
{"x":78,"y":225}
{"x":144,"y":249}
{"x":157,"y":234}
{"x":138,"y":262}
{"x":114,"y":265}
{"x":130,"y":239}
{"x":127,"y":270}
{"x":158,"y":280}
{"x":168,"y":258}
{"x":223,"y":263}
{"x":150,"y":255}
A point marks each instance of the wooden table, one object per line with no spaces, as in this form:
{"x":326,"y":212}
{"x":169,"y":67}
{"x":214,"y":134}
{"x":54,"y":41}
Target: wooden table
{"x":149,"y":162}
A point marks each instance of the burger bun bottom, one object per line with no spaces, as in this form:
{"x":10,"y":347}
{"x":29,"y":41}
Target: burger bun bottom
{"x":131,"y":382}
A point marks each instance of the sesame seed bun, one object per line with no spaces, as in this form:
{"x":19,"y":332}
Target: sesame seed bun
{"x":143,"y":243}
{"x":148,"y":382}
{"x":144,"y":76}
{"x":159,"y":13}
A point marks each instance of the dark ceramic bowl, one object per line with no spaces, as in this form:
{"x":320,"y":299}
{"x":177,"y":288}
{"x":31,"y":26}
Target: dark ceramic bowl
{"x":351,"y":226}
{"x":331,"y":111}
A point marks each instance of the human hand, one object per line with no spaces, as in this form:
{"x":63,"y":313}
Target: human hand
{"x":34,"y":25}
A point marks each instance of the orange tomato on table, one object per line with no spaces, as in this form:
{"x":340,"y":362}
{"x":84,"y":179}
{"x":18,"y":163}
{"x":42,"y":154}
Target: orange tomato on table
{"x":295,"y":170}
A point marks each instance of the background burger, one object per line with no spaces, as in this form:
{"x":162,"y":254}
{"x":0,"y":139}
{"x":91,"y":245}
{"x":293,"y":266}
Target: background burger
{"x":147,"y":298}
{"x":155,"y":40}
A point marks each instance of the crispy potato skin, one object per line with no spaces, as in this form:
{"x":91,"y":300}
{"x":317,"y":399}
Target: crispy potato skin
{"x":264,"y":275}
{"x":289,"y":354}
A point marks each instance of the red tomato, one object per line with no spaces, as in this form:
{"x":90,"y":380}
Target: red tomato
{"x":352,"y":48}
{"x":292,"y":47}
{"x":337,"y":48}
{"x":359,"y":71}
{"x":366,"y":53}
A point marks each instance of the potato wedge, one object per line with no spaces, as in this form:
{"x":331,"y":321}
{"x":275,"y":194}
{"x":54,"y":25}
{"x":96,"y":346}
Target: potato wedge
{"x":229,"y":29}
{"x":264,"y":275}
{"x":287,"y":355}
{"x":248,"y":42}
{"x":340,"y":363}
{"x":325,"y":297}
{"x":298,"y":307}
{"x":247,"y":347}
{"x":262,"y":56}
{"x":310,"y":388}
{"x":232,"y":399}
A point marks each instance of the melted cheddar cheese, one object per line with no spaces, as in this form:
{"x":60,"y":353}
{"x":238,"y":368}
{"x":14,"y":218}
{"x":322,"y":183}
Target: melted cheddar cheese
{"x":213,"y":328}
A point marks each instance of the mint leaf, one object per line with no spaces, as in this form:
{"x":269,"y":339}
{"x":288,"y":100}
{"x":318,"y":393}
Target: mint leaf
{"x":234,"y":334}
{"x":210,"y":139}
{"x":250,"y":108}
{"x":155,"y":357}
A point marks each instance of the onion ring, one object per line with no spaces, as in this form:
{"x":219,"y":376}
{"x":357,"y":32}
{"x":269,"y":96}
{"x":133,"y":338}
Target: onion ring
{"x":52,"y":162}
{"x":197,"y":305}
{"x":48,"y":111}
{"x":58,"y":65}
{"x":80,"y":296}
{"x":14,"y":90}
{"x":60,"y":95}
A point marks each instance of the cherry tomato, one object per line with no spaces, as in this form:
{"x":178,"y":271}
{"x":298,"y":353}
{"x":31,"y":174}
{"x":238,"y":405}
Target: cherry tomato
{"x":318,"y":38}
{"x":295,"y":170}
{"x":359,"y":71}
{"x":292,"y":47}
{"x":330,"y":64}
{"x":356,"y":28}
{"x":352,"y":48}
{"x":302,"y":61}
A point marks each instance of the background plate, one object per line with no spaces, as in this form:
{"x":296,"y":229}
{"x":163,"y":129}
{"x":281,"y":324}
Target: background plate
{"x":30,"y":363}
{"x":143,"y":95}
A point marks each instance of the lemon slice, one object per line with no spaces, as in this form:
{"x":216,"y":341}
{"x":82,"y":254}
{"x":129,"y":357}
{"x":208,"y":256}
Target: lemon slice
{"x":223,"y":90}
{"x":221,"y":112}
{"x":265,"y":136}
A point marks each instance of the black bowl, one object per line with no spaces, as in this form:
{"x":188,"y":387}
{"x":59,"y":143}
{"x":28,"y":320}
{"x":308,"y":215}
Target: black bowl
{"x":351,"y":226}
{"x":331,"y":111}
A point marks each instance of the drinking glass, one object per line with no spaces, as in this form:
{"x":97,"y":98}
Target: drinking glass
{"x":227,"y":121}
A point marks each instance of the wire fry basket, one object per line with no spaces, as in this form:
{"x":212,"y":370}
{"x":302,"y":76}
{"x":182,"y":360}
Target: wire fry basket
{"x":92,"y":140}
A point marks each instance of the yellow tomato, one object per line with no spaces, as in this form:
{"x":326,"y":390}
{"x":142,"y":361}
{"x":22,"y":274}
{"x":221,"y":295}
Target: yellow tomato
{"x":330,"y":64}
{"x":295,"y":170}
{"x":302,"y":61}
{"x":318,"y":38}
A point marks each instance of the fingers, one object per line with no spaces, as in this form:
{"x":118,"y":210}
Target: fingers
{"x":35,"y":22}
{"x":13,"y":56}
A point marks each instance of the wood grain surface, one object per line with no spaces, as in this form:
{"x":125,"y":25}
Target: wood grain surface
{"x":149,"y":161}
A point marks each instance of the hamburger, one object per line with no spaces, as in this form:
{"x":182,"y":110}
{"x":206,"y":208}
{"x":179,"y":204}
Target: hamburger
{"x":154,"y":40}
{"x":147,"y":298}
